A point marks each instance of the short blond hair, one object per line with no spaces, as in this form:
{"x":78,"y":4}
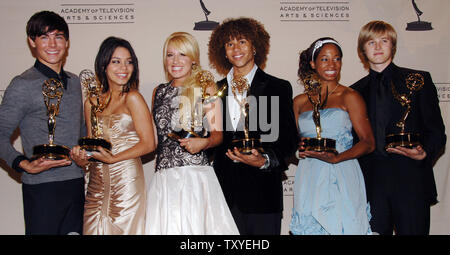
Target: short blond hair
{"x":371,"y":30}
{"x":186,"y":44}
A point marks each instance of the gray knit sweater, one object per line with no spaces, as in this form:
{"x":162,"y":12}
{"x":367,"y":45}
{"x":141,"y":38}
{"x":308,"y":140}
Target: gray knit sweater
{"x":23,"y":106}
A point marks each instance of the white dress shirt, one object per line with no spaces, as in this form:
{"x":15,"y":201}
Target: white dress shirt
{"x":233,"y":105}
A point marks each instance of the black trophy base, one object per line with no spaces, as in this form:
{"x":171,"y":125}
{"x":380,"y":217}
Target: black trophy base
{"x":187,"y":134}
{"x":419,"y":26}
{"x":92,"y":144}
{"x":319,"y":144}
{"x":205,"y":25}
{"x":246,"y":145}
{"x":407,"y":140}
{"x":51,"y":151}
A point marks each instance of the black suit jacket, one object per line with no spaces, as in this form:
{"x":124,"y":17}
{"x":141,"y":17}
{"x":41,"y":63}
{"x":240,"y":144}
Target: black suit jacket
{"x":251,"y":189}
{"x":424,"y":118}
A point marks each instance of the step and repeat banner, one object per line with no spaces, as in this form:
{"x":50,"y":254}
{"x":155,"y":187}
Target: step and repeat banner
{"x":292,"y":25}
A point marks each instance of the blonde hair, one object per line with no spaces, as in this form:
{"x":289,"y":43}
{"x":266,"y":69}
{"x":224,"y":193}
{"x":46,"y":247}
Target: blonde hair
{"x":373,"y":29}
{"x":187,"y":45}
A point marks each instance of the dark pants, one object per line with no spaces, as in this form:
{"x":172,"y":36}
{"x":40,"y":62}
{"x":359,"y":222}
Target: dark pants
{"x":405,"y":216}
{"x":397,"y":199}
{"x":54,"y":208}
{"x":257,"y":223}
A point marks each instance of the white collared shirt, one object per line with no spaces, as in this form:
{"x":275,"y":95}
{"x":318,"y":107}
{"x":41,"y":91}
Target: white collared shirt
{"x":233,"y":105}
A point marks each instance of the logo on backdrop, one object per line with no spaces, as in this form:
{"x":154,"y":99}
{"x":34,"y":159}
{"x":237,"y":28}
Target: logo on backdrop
{"x":418,"y":25}
{"x":98,"y":13}
{"x":205,"y":24}
{"x":299,"y":11}
{"x":288,"y":186}
{"x":443,"y":90}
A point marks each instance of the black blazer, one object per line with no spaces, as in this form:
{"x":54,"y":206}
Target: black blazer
{"x":251,"y":189}
{"x":424,"y":118}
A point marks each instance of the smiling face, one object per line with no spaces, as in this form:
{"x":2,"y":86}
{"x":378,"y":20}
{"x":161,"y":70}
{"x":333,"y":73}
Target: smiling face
{"x":378,"y":51}
{"x":177,"y":64}
{"x":50,"y":49}
{"x":120,"y":68}
{"x":328,"y":63}
{"x":240,"y":53}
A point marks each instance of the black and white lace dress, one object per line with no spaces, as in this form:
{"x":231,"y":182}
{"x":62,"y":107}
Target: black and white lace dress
{"x":184,"y":196}
{"x":169,"y":153}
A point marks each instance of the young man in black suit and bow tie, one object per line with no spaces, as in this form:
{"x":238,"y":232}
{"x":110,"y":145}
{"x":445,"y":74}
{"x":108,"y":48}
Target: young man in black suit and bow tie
{"x":400,"y":181}
{"x":252,"y":183}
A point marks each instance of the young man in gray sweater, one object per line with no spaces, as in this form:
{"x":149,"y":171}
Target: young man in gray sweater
{"x":53,"y":190}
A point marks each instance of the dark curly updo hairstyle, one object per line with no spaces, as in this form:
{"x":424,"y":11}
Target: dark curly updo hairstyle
{"x":104,"y":55}
{"x":306,"y":56}
{"x":247,"y":28}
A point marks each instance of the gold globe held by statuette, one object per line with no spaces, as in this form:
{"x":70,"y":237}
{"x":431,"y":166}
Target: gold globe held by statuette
{"x":249,"y":141}
{"x":313,"y":89}
{"x":204,"y":79}
{"x":93,"y":90}
{"x":414,"y":82}
{"x":52,"y":91}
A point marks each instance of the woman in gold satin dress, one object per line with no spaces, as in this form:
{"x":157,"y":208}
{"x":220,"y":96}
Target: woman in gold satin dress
{"x":116,"y":193}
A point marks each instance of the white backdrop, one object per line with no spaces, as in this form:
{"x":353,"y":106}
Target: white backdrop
{"x":293,"y":25}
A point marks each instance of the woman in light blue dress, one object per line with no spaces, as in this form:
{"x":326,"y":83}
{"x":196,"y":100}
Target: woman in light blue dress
{"x":329,"y":191}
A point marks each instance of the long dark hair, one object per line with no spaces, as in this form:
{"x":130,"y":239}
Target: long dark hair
{"x":104,"y":55}
{"x":304,"y":67}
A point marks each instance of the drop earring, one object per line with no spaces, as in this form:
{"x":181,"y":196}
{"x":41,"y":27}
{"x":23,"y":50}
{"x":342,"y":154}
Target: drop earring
{"x":194,"y":66}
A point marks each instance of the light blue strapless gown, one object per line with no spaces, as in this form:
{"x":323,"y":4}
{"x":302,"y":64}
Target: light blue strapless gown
{"x":329,"y":198}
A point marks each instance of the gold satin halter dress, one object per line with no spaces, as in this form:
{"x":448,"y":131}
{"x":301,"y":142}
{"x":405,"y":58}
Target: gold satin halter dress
{"x":116,"y":195}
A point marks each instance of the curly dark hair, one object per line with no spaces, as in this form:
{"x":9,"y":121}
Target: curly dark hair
{"x":247,"y":28}
{"x":304,"y":67}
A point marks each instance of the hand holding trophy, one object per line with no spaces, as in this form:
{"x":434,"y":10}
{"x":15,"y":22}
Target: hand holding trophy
{"x":52,"y":90}
{"x":313,"y":88}
{"x":247,"y":143}
{"x":93,"y":91}
{"x":414,"y":82}
{"x":195,"y":128}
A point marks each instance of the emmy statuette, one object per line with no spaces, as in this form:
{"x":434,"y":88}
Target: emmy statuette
{"x":93,"y":91}
{"x":206,"y":24}
{"x":247,"y":143}
{"x":313,"y":88}
{"x":52,"y":90}
{"x":418,"y":25}
{"x":196,"y":128}
{"x":414,"y":82}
